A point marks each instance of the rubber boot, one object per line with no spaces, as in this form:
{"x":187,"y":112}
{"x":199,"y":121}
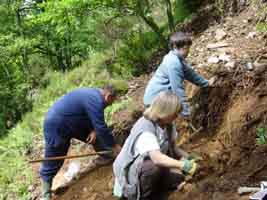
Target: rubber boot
{"x":46,"y":190}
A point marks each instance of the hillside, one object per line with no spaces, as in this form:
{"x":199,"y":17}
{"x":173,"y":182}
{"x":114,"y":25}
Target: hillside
{"x":231,"y":114}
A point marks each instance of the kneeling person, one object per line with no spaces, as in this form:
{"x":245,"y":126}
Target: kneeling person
{"x":143,"y":168}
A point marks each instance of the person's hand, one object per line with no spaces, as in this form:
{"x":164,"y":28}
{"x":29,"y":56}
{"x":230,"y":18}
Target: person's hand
{"x":116,"y":149}
{"x":212,"y":81}
{"x":190,"y":167}
{"x":91,"y":139}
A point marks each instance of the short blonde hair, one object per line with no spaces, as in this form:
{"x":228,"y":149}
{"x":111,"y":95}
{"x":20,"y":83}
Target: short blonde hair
{"x":165,"y":104}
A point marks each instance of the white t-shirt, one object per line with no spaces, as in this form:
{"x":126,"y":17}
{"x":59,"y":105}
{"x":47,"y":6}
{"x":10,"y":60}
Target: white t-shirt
{"x":148,"y":141}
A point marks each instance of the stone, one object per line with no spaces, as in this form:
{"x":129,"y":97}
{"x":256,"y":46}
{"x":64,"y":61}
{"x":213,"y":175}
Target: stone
{"x":85,"y":190}
{"x":249,"y":66}
{"x":231,"y":64}
{"x":225,"y":57}
{"x":220,"y":34}
{"x":251,"y":35}
{"x":200,"y":65}
{"x":217,"y":45}
{"x":213,"y":60}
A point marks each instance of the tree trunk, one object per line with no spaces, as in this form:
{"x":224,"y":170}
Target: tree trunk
{"x":24,"y":53}
{"x":60,"y":57}
{"x":150,"y":21}
{"x":170,"y":15}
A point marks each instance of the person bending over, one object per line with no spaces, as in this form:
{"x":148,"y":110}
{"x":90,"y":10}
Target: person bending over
{"x":78,"y":114}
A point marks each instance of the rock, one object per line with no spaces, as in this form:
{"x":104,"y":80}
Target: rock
{"x":249,"y":66}
{"x":220,"y":34}
{"x":230,"y":65}
{"x":251,"y":35}
{"x":213,"y":60}
{"x":224,"y":57}
{"x":217,"y":45}
{"x":200,"y":65}
{"x":73,"y":169}
{"x":243,"y":2}
{"x":85,"y":190}
{"x":30,"y":188}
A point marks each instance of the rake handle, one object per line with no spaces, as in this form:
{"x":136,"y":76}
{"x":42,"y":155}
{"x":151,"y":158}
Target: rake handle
{"x":70,"y":157}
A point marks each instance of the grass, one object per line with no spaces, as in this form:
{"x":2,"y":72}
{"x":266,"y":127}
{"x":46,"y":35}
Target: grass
{"x":15,"y":173}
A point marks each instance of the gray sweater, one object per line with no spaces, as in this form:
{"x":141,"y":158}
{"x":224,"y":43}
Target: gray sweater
{"x":127,"y":160}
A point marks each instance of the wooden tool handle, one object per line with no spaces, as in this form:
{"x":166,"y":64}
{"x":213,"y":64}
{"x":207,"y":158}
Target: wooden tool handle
{"x":70,"y":156}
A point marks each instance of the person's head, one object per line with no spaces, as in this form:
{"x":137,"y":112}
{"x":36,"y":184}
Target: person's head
{"x":164,"y":109}
{"x":109,"y":94}
{"x":181,"y":42}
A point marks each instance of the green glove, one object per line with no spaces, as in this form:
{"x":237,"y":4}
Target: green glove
{"x":189,"y":167}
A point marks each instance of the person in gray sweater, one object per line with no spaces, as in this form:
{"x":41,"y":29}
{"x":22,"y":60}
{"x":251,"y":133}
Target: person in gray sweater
{"x":144,"y":169}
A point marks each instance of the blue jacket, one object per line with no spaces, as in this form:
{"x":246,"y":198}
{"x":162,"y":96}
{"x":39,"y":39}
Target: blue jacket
{"x":170,"y":75}
{"x":75,"y":115}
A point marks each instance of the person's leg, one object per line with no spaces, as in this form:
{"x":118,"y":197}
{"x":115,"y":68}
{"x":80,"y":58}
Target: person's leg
{"x":149,"y":180}
{"x":156,"y":182}
{"x":49,"y":169}
{"x":171,"y":179}
{"x":102,"y":159}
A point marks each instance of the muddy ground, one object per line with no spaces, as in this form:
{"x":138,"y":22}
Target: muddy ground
{"x":229,"y":113}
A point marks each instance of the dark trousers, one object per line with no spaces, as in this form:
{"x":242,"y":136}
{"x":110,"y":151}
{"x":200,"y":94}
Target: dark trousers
{"x":156,"y":182}
{"x":49,"y":169}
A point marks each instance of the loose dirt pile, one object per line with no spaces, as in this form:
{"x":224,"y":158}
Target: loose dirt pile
{"x":230,"y":113}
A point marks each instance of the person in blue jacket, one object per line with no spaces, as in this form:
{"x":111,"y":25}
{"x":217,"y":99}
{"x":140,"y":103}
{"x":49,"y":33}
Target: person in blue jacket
{"x":78,"y":114}
{"x":172,"y":72}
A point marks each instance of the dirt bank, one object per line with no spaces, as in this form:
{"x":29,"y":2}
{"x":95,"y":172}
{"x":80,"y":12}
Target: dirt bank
{"x":230,"y":114}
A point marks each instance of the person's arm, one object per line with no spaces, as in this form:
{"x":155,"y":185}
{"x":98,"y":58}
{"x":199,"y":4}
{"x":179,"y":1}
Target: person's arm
{"x":163,"y":160}
{"x":195,"y":78}
{"x":147,"y":143}
{"x":175,"y":73}
{"x":95,"y":112}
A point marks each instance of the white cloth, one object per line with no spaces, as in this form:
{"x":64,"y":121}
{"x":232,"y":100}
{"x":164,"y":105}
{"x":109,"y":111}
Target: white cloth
{"x":117,"y":189}
{"x":148,"y":141}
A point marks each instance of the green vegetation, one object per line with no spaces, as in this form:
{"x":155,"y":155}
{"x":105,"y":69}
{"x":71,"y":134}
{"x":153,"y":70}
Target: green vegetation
{"x":15,"y":172}
{"x":261,"y":136}
{"x":51,"y":47}
{"x":262,"y":18}
{"x":116,"y":107}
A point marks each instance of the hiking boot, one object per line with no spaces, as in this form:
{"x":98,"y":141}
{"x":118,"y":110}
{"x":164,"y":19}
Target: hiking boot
{"x":46,"y":190}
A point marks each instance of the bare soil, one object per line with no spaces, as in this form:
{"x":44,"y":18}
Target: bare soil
{"x":230,"y":113}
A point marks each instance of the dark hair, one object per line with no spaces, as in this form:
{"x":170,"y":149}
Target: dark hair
{"x":111,"y":89}
{"x":179,"y":40}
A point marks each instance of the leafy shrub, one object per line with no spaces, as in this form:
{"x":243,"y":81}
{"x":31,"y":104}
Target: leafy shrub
{"x":136,"y":50}
{"x":261,"y":136}
{"x":115,"y":107}
{"x":184,"y":8}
